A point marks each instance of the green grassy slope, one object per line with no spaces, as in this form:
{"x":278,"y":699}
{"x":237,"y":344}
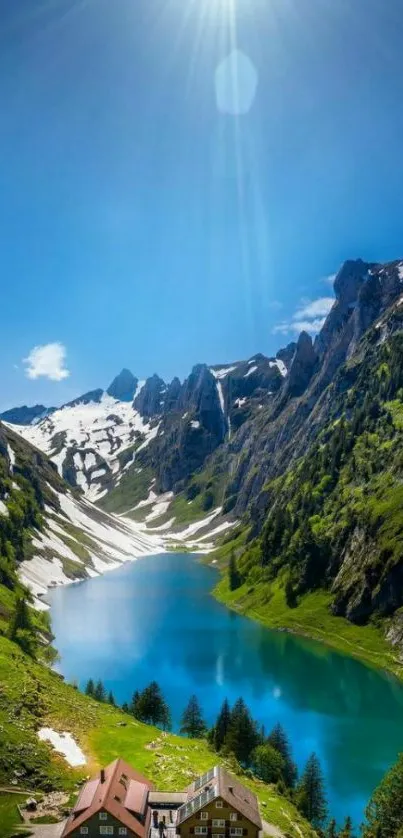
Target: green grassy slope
{"x":32,"y":696}
{"x":9,"y":815}
{"x":330,"y":545}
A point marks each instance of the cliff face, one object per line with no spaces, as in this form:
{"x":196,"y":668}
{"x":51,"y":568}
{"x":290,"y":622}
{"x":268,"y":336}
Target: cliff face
{"x":246,"y":427}
{"x":291,"y":421}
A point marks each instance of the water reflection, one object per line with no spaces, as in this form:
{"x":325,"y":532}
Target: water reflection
{"x":156,"y":619}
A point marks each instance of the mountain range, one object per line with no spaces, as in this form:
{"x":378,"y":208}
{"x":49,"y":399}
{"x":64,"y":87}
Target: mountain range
{"x":267,"y":448}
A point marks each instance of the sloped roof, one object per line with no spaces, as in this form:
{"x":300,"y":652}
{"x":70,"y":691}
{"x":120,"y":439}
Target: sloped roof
{"x":123,"y":793}
{"x":219,"y":783}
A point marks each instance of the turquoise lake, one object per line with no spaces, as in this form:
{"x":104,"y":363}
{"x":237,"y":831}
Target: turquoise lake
{"x":155,"y":619}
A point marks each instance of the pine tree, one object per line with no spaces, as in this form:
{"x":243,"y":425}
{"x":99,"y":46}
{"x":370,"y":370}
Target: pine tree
{"x":125,"y":707}
{"x":222,"y":725}
{"x":234,"y":578}
{"x":192,"y":723}
{"x":22,"y":630}
{"x":279,"y":741}
{"x":134,"y":707}
{"x":242,"y":736}
{"x":347,"y":830}
{"x":331,"y":831}
{"x":99,"y":692}
{"x":267,"y":764}
{"x":311,"y":796}
{"x":384,"y":811}
{"x":152,"y":708}
{"x":90,"y":688}
{"x":111,"y":699}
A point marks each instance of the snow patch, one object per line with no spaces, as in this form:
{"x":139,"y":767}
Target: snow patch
{"x":222,"y":373}
{"x":64,"y":744}
{"x":99,"y":473}
{"x":251,"y":370}
{"x":90,"y":461}
{"x":11,"y":457}
{"x":280,"y":366}
{"x":195,"y":424}
{"x":193,"y":528}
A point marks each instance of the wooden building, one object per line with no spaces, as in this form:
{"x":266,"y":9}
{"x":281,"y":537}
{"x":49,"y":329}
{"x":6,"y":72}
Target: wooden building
{"x":114,"y":803}
{"x":218,"y":806}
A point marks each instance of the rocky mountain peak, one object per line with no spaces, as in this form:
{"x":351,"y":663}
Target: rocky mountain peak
{"x":123,"y":387}
{"x":25,"y":415}
{"x":151,"y":398}
{"x":286,"y":355}
{"x":302,"y":367}
{"x":172,"y":395}
{"x":349,"y":280}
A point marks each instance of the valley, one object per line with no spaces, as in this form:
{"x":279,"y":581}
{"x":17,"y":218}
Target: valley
{"x":285,"y":474}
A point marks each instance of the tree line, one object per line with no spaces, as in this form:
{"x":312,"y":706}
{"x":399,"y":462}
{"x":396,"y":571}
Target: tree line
{"x":235,"y":734}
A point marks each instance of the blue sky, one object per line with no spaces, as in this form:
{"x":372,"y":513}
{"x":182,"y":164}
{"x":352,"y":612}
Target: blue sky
{"x":142,"y":225}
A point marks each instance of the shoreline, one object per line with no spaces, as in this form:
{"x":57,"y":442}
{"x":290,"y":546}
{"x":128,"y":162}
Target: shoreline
{"x":343,"y":637}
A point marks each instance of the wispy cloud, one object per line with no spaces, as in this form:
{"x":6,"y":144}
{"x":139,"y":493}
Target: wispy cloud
{"x":329,"y":280}
{"x":47,"y":361}
{"x":309,"y":317}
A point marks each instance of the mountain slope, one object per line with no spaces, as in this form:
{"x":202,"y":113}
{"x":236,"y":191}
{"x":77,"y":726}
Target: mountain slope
{"x":118,"y":445}
{"x":330,"y":520}
{"x":49,"y":536}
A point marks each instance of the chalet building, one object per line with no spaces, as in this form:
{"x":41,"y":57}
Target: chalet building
{"x":120,"y":802}
{"x":219,"y":806}
{"x":114,"y":803}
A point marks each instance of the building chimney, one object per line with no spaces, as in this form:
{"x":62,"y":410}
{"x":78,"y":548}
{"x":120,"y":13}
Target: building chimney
{"x":102,"y":775}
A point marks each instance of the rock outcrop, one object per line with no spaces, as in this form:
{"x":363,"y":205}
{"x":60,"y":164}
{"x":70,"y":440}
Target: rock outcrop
{"x":123,"y":387}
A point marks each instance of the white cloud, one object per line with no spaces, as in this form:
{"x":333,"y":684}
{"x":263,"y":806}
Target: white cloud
{"x":315,"y":308}
{"x":329,"y":280}
{"x":47,"y":361}
{"x":309,"y":317}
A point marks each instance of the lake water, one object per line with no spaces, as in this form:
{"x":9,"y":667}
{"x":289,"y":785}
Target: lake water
{"x":155,"y":619}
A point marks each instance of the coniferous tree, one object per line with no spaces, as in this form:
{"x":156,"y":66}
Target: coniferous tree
{"x":222,"y":724}
{"x":267,"y":764}
{"x":152,"y":707}
{"x":21,"y":628}
{"x":385,"y":808}
{"x":134,"y":707}
{"x":311,"y":798}
{"x":347,"y":830}
{"x":99,"y":692}
{"x":192,"y":723}
{"x":111,"y":699}
{"x":331,"y":831}
{"x":125,"y":707}
{"x":242,"y":736}
{"x":234,"y":578}
{"x":279,"y":741}
{"x":90,"y":688}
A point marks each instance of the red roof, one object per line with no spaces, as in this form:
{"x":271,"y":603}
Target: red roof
{"x":121,"y":792}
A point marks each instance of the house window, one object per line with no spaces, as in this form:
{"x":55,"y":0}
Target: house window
{"x":84,"y":830}
{"x":218,"y":804}
{"x":106,"y":830}
{"x":204,"y":816}
{"x":233,"y":816}
{"x":103,"y":816}
{"x":236,"y":831}
{"x":122,"y":830}
{"x":218,"y":822}
{"x":200,"y":830}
